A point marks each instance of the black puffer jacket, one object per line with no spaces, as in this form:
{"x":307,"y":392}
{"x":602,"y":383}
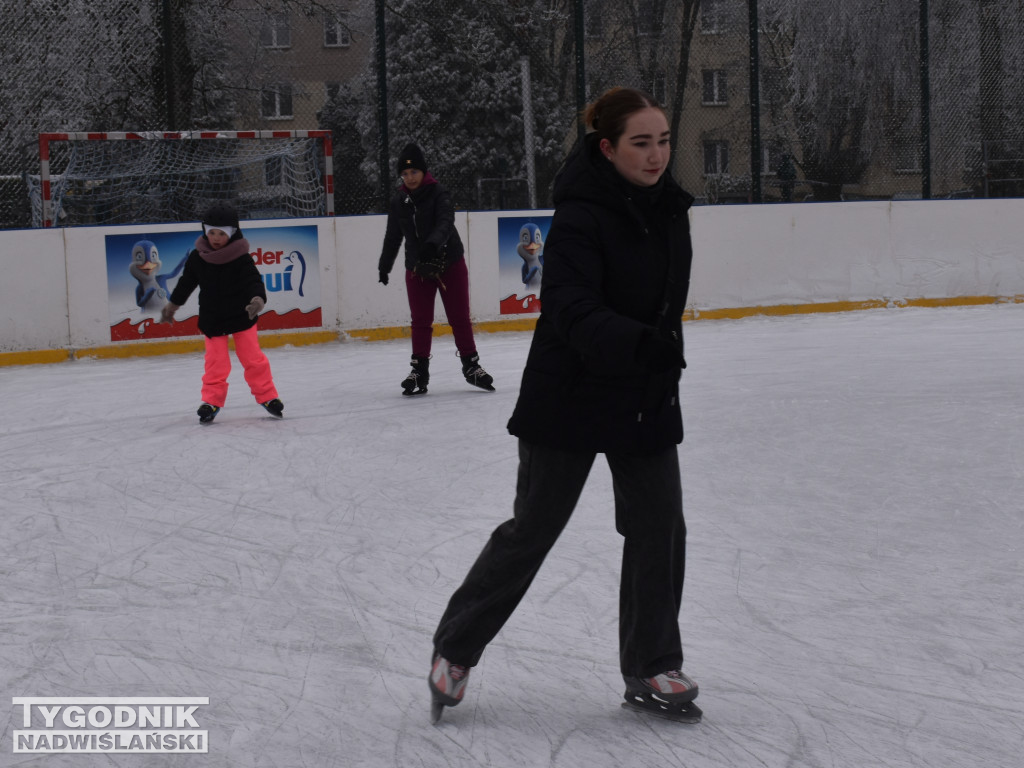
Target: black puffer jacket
{"x":425,"y":215}
{"x":616,"y":269}
{"x":224,"y":289}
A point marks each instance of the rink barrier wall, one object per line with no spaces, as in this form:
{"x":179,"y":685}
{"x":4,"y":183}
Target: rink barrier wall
{"x":749,"y":260}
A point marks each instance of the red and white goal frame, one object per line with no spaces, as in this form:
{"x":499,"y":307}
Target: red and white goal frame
{"x":45,"y":139}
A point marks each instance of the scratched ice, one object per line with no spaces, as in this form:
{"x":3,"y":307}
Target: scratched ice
{"x":855,"y":585}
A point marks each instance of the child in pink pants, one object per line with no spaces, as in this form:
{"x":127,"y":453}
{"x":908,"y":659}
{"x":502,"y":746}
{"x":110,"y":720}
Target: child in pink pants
{"x":231,"y":296}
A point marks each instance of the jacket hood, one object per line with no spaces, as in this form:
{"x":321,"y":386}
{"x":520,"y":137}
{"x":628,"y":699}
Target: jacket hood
{"x":587,"y":176}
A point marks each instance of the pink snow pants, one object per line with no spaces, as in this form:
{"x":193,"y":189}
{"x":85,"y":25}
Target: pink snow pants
{"x":218,"y":366}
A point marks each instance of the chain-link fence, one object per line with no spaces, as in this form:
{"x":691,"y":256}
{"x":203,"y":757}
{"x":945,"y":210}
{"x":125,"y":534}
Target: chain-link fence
{"x":830,"y":100}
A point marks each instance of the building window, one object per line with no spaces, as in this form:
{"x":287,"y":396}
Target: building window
{"x":714,"y":91}
{"x":593,"y":19}
{"x":712,"y":17}
{"x":331,"y":90}
{"x":277,"y":102}
{"x":650,"y":17}
{"x":337,"y":33}
{"x":276,"y":31}
{"x":906,"y":154}
{"x":716,"y":157}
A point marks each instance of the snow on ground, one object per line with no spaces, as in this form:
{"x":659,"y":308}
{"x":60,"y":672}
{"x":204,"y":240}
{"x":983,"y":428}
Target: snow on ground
{"x":854,"y":593}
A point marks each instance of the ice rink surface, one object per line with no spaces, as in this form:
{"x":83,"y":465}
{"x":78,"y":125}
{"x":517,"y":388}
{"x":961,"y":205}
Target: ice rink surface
{"x":854,"y":491}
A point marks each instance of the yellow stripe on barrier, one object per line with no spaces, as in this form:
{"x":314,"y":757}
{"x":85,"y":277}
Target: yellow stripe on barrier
{"x":519,"y":323}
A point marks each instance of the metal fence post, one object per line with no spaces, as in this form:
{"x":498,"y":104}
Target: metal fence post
{"x":579,"y":32}
{"x":384,"y":152}
{"x":170,"y":87}
{"x":755,"y":105}
{"x":926,"y":120}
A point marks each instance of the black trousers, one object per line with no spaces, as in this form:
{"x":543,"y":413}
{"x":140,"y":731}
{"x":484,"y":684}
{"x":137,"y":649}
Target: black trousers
{"x":649,"y":516}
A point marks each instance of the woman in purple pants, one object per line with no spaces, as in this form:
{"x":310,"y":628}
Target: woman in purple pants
{"x":422,"y":215}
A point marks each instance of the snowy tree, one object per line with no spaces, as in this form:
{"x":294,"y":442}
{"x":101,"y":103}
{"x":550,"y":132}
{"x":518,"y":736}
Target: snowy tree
{"x":977,"y":58}
{"x":852,"y":85}
{"x":645,"y":45}
{"x":456,"y":88}
{"x":852,"y":66}
{"x":349,"y":115}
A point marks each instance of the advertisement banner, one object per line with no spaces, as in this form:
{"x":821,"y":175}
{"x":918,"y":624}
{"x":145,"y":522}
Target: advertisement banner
{"x":521,"y":262}
{"x":142,"y":270}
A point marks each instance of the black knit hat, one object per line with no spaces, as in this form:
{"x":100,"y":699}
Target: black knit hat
{"x":220,"y":214}
{"x":411,"y":157}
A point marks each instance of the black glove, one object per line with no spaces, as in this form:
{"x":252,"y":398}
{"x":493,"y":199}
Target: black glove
{"x":429,"y":262}
{"x":658,"y":354}
{"x":383,"y":277}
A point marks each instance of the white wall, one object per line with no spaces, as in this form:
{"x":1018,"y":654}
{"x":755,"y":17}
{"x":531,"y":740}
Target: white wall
{"x":764,"y":255}
{"x":54,"y":293}
{"x":33,"y":290}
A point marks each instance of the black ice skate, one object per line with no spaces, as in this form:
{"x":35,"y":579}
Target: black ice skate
{"x":651,"y":703}
{"x":669,"y":695}
{"x":474,"y":372}
{"x":447,"y":685}
{"x":275,"y":408}
{"x":416,"y":382}
{"x":207,"y":413}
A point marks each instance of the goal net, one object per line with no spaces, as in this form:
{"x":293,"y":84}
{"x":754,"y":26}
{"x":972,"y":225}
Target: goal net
{"x":148,"y":177}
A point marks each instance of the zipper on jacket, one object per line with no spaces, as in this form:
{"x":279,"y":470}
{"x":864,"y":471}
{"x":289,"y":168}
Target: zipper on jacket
{"x":415,"y":225}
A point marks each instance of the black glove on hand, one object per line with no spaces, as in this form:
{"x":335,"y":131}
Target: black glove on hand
{"x":657,"y":354}
{"x":429,"y":262}
{"x":383,"y":277}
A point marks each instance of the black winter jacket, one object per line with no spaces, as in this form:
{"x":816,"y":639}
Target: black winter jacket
{"x":616,"y":268}
{"x":425,"y":215}
{"x":224,"y":290}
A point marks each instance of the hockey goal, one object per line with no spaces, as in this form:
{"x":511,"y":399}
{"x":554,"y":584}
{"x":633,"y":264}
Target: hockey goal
{"x":157,"y":176}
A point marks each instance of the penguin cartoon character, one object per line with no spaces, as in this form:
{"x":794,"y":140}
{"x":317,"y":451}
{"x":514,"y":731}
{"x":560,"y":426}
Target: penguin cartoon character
{"x":531,"y":250}
{"x":292,"y":258}
{"x":152,"y":291}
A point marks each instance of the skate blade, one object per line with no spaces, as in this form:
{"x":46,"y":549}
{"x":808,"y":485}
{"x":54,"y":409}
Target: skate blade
{"x":436,"y":710}
{"x":414,"y":392}
{"x":688,"y":713}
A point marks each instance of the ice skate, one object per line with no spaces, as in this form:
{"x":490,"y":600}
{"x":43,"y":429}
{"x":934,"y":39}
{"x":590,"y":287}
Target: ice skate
{"x":474,"y":372}
{"x":651,"y":703}
{"x":416,"y":382}
{"x":669,"y":695}
{"x":207,"y":413}
{"x":275,"y":408}
{"x":447,"y":685}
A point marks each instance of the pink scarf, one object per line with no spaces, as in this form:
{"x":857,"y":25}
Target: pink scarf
{"x":229,"y":252}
